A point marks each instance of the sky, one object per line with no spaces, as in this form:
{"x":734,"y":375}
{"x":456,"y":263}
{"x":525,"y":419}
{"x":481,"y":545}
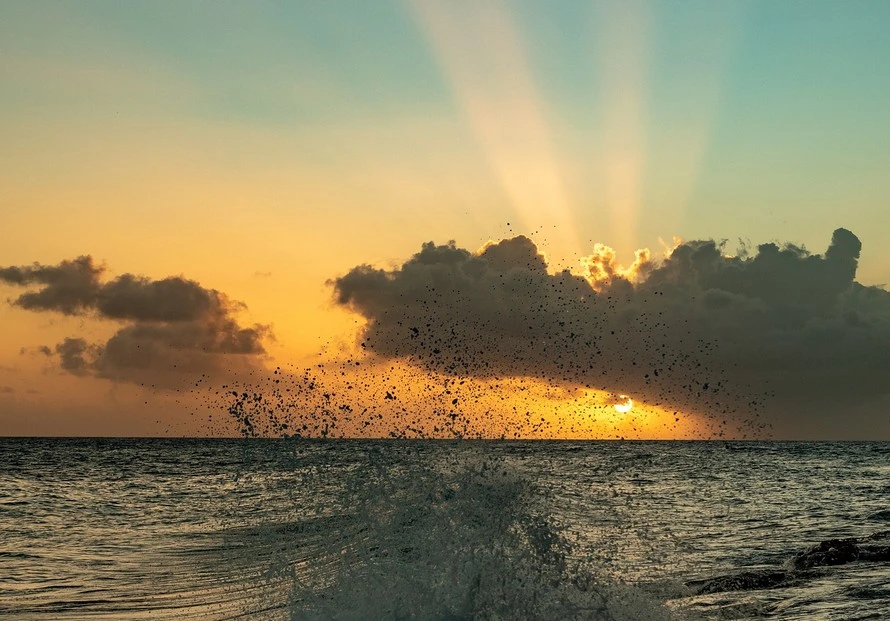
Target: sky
{"x":255,"y":195}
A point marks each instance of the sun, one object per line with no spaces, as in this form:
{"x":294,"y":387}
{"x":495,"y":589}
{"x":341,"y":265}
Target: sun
{"x":625,"y":406}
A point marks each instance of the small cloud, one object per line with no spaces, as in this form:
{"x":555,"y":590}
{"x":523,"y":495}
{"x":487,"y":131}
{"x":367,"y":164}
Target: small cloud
{"x":73,"y":354}
{"x":172,"y":325}
{"x":69,"y":287}
{"x":40,"y":350}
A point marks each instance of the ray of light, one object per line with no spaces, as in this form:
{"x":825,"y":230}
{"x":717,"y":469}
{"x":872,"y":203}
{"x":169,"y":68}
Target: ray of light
{"x":690,"y":90}
{"x":661,"y":77}
{"x":622,"y":40}
{"x":480,"y":50}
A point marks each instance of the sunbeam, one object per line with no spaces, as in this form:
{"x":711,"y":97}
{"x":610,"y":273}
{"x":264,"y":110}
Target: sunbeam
{"x":622,"y":40}
{"x":480,"y":51}
{"x":688,"y":86}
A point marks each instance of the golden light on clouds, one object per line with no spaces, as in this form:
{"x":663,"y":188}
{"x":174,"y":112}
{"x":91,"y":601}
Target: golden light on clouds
{"x":601,"y":267}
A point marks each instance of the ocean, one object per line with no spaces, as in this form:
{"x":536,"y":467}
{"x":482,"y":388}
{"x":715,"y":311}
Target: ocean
{"x":391,"y":529}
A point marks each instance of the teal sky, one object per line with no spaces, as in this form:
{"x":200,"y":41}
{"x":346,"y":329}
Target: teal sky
{"x":761,"y":120}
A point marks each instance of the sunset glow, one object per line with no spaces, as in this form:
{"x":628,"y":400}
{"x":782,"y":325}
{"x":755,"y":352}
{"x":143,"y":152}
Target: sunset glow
{"x":625,"y":406}
{"x":444,"y":309}
{"x":445,"y":193}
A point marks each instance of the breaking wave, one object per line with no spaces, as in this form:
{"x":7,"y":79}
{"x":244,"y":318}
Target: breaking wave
{"x":464,"y":538}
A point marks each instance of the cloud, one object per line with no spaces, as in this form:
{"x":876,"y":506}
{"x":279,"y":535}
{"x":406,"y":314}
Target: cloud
{"x":75,"y":288}
{"x":773,"y":335}
{"x":7,"y":390}
{"x":73,"y":354}
{"x":172,"y":325}
{"x":69,"y":287}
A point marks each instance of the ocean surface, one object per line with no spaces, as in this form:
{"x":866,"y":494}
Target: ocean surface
{"x":298,"y":529}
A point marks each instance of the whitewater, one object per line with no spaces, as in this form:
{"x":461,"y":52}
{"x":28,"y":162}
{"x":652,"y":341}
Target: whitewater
{"x":216,"y":529}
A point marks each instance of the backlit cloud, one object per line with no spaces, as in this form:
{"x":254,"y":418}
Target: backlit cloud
{"x":774,"y":336}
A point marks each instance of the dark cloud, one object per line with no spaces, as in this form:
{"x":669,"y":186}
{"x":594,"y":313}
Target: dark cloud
{"x":173,"y":325}
{"x":69,"y":287}
{"x":39,"y":350}
{"x":7,"y":390}
{"x":75,"y":288}
{"x":773,"y":329}
{"x":211,"y":348}
{"x":74,"y":354}
{"x":170,"y":300}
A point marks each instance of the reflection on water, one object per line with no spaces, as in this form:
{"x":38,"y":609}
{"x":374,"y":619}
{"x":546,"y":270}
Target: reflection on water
{"x":281,"y":529}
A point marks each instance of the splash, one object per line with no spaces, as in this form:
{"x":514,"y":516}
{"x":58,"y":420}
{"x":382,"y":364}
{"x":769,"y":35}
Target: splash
{"x":466,"y":537}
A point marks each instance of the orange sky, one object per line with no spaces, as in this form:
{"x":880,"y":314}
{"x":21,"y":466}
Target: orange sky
{"x":297,"y":142}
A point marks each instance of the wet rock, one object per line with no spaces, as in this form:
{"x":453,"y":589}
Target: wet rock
{"x":745,"y":581}
{"x":830,"y":552}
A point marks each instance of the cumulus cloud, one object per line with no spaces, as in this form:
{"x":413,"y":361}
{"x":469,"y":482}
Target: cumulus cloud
{"x":772,"y":329}
{"x":171,"y":326}
{"x":73,"y":355}
{"x":69,"y":287}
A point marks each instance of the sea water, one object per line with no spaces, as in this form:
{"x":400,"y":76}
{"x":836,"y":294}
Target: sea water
{"x":341,"y":529}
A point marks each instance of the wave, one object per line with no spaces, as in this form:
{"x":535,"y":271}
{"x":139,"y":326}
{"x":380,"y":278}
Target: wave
{"x":880,"y":516}
{"x":460,"y":539}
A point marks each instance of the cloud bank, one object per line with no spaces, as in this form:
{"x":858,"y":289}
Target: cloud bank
{"x":172,"y":326}
{"x":773,"y":336}
{"x":772,"y":340}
